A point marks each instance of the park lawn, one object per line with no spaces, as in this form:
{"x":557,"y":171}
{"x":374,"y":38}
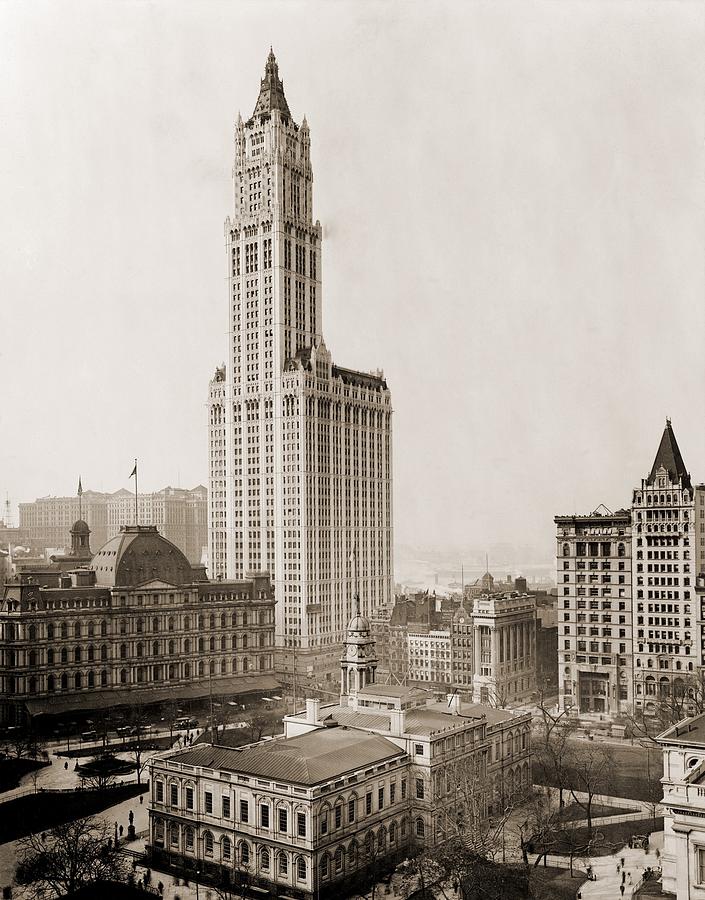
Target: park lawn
{"x":551,"y":883}
{"x":12,"y":770}
{"x":573,"y":812}
{"x":45,"y":810}
{"x":615,"y":836}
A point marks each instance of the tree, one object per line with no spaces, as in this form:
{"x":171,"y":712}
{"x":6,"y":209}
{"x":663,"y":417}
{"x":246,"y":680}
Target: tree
{"x":256,"y":722}
{"x":67,"y":858}
{"x":138,"y":720}
{"x":22,"y":744}
{"x":552,"y":747}
{"x":590,"y":770}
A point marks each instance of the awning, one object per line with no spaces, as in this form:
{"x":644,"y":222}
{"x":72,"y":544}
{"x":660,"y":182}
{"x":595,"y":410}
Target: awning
{"x":90,"y":700}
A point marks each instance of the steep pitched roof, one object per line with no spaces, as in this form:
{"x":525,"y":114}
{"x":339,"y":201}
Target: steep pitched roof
{"x":669,"y":457}
{"x":271,"y":91}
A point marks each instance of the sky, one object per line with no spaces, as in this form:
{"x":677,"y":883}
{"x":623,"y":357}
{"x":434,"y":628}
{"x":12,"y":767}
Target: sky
{"x":513,"y":209}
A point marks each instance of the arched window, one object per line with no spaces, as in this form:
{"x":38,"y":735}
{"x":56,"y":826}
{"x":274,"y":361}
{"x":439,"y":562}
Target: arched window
{"x":324,"y":866}
{"x":244,"y":642}
{"x":282,"y":863}
{"x":208,"y":843}
{"x":91,"y":678}
{"x":171,"y":648}
{"x":226,"y":848}
{"x":32,"y":660}
{"x":123,"y":651}
{"x":222,"y":642}
{"x":32,"y":685}
{"x":339,"y":860}
{"x":244,"y":617}
{"x":91,"y":629}
{"x":187,"y":670}
{"x":262,"y":639}
{"x":77,"y":629}
{"x":64,"y":630}
{"x":233,"y":621}
{"x":51,"y":687}
{"x":264,"y":859}
{"x":172,"y":671}
{"x":187,"y":623}
{"x":103,"y":652}
{"x":187,"y":646}
{"x":50,"y":631}
{"x":566,"y":549}
{"x":123,"y":626}
{"x":155,"y":629}
{"x":381,"y":840}
{"x":64,"y":681}
{"x":300,"y":868}
{"x":123,"y":676}
{"x":223,"y":667}
{"x":200,"y":623}
{"x":392,"y":832}
{"x":262,"y":662}
{"x":188,"y":837}
{"x":140,"y":650}
{"x":103,"y":678}
{"x":103,"y":628}
{"x":244,"y":665}
{"x":155,"y":648}
{"x":200,"y":645}
{"x":211,"y":621}
{"x":211,"y":667}
{"x":77,"y":680}
{"x":50,"y":656}
{"x":32,"y":632}
{"x":420,"y":828}
{"x":222,"y":620}
{"x":352,"y":855}
{"x":139,"y":627}
{"x":262,"y":616}
{"x":200,"y":667}
{"x":91,"y":653}
{"x":170,"y":623}
{"x":77,"y":654}
{"x":211,"y":644}
{"x":244,"y":849}
{"x":64,"y":655}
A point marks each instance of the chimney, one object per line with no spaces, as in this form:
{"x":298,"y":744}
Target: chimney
{"x":454,"y":703}
{"x":312,"y":709}
{"x":397,"y":722}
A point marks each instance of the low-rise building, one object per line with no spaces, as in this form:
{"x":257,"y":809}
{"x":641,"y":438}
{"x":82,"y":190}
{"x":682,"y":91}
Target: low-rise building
{"x":351,"y":787}
{"x":683,"y":858}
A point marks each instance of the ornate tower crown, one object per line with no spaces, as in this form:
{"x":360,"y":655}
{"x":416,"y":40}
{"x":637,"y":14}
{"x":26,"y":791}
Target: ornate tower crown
{"x":271,"y":92}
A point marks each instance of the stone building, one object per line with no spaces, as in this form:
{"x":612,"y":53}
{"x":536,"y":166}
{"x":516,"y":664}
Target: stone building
{"x":300,"y":448}
{"x":350,"y":788}
{"x":137,"y":625}
{"x":595,"y":612}
{"x":504,"y":647}
{"x":461,"y":649}
{"x":683,"y":857}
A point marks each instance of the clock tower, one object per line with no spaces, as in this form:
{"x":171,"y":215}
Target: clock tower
{"x":358,"y":663}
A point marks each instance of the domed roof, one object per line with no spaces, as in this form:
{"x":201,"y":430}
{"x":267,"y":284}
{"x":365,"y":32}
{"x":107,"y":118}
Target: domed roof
{"x":137,"y":555}
{"x":358,"y":621}
{"x":80,"y":527}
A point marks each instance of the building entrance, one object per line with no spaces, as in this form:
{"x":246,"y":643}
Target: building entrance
{"x":593,"y":691}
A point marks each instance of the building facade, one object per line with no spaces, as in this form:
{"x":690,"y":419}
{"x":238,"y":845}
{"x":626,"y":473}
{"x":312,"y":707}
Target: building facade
{"x":137,"y":625}
{"x":683,"y":858}
{"x":430,"y":657}
{"x":350,"y":788}
{"x":180,"y":514}
{"x":594,"y":555}
{"x":300,"y":448}
{"x":504,"y":645}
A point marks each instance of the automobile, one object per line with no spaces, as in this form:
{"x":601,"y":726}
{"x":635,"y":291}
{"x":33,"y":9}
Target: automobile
{"x":123,"y":730}
{"x":241,"y":725}
{"x":89,"y":736}
{"x":183,"y":722}
{"x":193,"y":723}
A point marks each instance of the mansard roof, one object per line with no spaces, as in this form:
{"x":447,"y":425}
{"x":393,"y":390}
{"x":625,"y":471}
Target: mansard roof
{"x":669,"y":457}
{"x":271,"y":91}
{"x":139,"y":554}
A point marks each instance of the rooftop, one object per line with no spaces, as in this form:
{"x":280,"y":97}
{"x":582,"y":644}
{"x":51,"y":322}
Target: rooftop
{"x":668,"y":457}
{"x":687,"y":731}
{"x":308,"y":759}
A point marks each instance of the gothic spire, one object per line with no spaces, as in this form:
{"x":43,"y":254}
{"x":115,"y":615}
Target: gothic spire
{"x":669,"y":457}
{"x":271,"y":91}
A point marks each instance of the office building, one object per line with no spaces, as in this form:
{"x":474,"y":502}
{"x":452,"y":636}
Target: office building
{"x":299,"y":447}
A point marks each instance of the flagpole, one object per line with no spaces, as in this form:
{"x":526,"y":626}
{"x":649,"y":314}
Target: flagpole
{"x":136,"y":514}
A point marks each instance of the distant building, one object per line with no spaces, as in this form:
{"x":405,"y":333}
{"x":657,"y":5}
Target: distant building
{"x":547,"y":650}
{"x":683,"y":857}
{"x":134,"y":624}
{"x":504,"y":645}
{"x":350,"y":789}
{"x":181,"y":515}
{"x":429,"y":658}
{"x":461,"y":648}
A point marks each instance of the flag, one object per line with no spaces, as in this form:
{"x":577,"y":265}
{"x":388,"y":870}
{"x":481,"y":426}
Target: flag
{"x":134,"y":471}
{"x":80,"y":487}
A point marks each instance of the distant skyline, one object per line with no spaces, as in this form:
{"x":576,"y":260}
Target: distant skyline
{"x":513,"y":206}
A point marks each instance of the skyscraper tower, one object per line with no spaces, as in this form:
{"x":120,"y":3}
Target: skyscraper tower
{"x":300,"y":449}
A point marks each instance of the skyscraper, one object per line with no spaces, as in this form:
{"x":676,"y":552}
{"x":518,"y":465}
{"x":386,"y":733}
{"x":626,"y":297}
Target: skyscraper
{"x":300,"y":448}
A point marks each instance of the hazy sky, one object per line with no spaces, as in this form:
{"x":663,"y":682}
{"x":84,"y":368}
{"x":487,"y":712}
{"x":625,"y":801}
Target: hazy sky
{"x":513,"y":204}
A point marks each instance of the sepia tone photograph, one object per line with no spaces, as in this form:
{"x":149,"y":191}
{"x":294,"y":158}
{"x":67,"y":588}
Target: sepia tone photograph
{"x":352,"y":458}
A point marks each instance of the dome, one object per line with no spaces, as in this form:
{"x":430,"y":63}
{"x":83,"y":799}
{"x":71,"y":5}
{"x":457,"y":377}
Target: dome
{"x":359,"y":623}
{"x":80,"y":527}
{"x":137,"y":555}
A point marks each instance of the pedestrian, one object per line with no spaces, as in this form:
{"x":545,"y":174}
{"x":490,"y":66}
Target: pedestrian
{"x":160,"y":888}
{"x":621,"y":889}
{"x":622,"y":862}
{"x":66,"y":764}
{"x":121,"y":830}
{"x":618,"y":868}
{"x":623,"y":876}
{"x":629,"y":877}
{"x":141,"y":798}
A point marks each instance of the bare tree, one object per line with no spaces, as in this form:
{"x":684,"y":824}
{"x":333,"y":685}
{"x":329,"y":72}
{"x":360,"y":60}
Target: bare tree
{"x":589,"y":773}
{"x":552,"y":747}
{"x":67,"y":858}
{"x":256,"y":722}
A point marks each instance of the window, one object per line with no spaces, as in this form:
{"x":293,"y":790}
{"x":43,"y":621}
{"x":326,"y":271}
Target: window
{"x":264,"y":859}
{"x":419,"y":789}
{"x":244,"y":811}
{"x":338,"y":815}
{"x":301,"y":869}
{"x":380,"y":798}
{"x":173,"y":795}
{"x":208,"y":843}
{"x":209,"y":802}
{"x":403,"y":789}
{"x":301,"y":824}
{"x":189,"y":798}
{"x":392,"y":792}
{"x":283,"y":864}
{"x":226,"y":807}
{"x":264,"y":815}
{"x":189,"y":837}
{"x":701,"y":866}
{"x":418,"y":749}
{"x":226,"y":848}
{"x":420,"y":828}
{"x":351,"y":810}
{"x":283,"y":820}
{"x":160,"y":791}
{"x":368,"y":804}
{"x":244,"y":854}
